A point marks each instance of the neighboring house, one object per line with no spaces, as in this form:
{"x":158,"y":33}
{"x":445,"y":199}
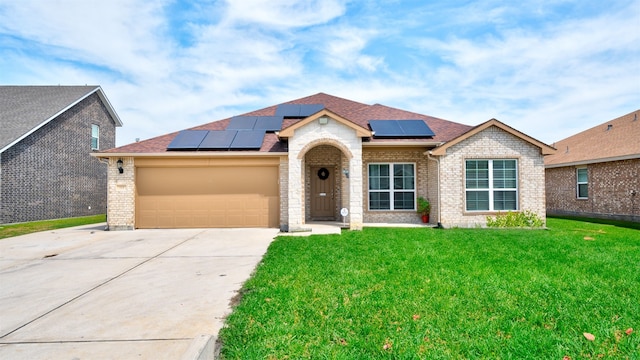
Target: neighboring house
{"x":596,"y":173}
{"x":46,"y":136}
{"x":307,"y":159}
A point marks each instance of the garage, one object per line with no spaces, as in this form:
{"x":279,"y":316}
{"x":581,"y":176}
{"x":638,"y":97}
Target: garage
{"x":207,"y":193}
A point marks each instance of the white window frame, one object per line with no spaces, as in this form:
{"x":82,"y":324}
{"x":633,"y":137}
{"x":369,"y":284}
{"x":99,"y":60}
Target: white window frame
{"x":391,"y":191}
{"x":578,"y":182}
{"x":491,"y":188}
{"x":97,"y":136}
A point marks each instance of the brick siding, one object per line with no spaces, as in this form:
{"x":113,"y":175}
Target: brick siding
{"x":122,"y":194}
{"x":492,"y":143}
{"x":613,"y":191}
{"x":50,"y":174}
{"x":422,"y":183}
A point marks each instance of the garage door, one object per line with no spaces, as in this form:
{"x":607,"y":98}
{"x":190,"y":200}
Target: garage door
{"x":218,"y":196}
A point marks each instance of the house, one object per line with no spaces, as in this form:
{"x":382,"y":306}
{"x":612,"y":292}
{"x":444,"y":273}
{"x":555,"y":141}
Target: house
{"x":310,"y":158}
{"x":46,"y":135}
{"x":596,"y":173}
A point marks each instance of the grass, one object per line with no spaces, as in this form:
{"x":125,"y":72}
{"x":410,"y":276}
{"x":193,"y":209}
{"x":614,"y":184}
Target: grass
{"x":36,"y":226}
{"x":443,"y":294}
{"x":620,"y":223}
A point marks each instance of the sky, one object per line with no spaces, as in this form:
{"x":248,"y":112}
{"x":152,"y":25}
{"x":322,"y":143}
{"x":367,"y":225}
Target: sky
{"x":547,"y":68}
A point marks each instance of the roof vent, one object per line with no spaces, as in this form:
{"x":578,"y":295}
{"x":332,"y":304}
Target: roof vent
{"x":635,"y":116}
{"x":566,"y":152}
{"x":609,"y":127}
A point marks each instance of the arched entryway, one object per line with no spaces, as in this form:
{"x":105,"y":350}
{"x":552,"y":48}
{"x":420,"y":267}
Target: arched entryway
{"x":326,"y":186}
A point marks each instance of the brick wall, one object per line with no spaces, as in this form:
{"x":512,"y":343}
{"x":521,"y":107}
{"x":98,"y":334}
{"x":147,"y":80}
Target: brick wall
{"x":122,"y":194}
{"x":50,"y":174}
{"x":492,"y":143}
{"x":284,"y":193}
{"x":611,"y":191}
{"x":423,"y":184}
{"x":305,"y":139}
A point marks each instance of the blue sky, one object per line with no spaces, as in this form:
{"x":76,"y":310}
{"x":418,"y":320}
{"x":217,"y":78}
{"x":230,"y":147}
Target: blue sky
{"x":547,"y":68}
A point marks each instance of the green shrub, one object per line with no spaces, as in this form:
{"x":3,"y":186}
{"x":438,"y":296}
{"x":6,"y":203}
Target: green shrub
{"x":525,"y":218}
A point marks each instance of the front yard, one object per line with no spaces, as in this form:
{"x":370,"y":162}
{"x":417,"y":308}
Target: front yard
{"x":442,"y":294}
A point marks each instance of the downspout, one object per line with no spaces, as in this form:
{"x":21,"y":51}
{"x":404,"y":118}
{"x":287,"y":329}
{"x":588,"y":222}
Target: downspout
{"x":438,"y":196}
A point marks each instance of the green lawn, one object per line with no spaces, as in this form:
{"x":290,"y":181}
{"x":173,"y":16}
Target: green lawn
{"x":36,"y":226}
{"x":443,"y":294}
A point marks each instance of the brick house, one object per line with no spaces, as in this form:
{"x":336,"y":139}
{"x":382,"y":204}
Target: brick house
{"x":596,"y":173}
{"x":307,"y":159}
{"x":47,"y":133}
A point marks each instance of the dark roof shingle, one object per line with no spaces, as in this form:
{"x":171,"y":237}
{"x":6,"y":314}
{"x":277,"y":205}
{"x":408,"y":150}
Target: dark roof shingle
{"x":356,"y":112}
{"x":610,"y":140}
{"x":25,"y":108}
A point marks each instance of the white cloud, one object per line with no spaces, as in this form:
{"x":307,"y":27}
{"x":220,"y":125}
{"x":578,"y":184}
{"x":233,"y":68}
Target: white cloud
{"x":284,"y":13}
{"x":544,"y":79}
{"x":344,"y":47}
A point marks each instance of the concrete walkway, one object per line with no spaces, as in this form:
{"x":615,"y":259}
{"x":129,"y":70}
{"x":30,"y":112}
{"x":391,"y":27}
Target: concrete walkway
{"x":85,"y":293}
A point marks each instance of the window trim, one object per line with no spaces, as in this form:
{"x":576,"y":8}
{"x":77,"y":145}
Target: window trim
{"x":578,"y":183}
{"x":391,"y":191}
{"x":491,"y":190}
{"x":97,"y":127}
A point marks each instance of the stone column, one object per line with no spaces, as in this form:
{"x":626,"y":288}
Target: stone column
{"x":121,"y":194}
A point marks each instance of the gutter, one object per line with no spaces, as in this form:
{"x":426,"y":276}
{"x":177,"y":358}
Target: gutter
{"x":183,"y":154}
{"x":594,"y":161}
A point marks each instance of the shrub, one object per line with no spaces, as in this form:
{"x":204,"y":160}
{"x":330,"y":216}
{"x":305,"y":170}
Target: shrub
{"x":525,"y":218}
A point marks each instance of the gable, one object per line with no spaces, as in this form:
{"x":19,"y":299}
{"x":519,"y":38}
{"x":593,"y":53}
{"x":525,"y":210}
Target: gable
{"x":544,"y":148}
{"x":25,"y":109}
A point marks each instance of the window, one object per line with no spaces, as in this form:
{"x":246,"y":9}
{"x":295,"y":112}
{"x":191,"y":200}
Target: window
{"x":582,"y":183}
{"x":491,"y":185}
{"x":392,"y":187}
{"x":95,"y":137}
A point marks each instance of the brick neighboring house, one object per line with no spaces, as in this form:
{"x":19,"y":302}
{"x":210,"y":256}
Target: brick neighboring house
{"x":596,"y":173}
{"x":307,"y":159}
{"x":46,"y":136}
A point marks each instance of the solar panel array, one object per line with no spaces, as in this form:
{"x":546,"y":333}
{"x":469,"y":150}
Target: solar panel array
{"x":265,"y":123}
{"x":188,"y":140}
{"x":217,"y":140}
{"x":400,"y":128}
{"x":298,"y":110}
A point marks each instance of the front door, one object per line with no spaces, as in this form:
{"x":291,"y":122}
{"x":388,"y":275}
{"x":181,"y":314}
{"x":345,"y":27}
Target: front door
{"x":323,"y":203}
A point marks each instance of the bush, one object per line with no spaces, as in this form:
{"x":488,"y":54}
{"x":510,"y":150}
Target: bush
{"x":525,"y":218}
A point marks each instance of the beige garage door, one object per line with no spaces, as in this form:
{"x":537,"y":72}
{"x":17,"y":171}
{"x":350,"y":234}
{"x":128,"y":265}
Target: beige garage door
{"x":218,"y":196}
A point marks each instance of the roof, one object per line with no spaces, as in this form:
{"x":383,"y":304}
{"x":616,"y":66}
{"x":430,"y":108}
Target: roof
{"x":544,"y":148}
{"x":358,"y":114}
{"x":617,"y":139}
{"x":25,"y":109}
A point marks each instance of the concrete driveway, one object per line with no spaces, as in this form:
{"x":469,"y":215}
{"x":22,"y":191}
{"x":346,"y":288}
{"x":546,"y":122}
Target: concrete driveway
{"x":85,"y":293}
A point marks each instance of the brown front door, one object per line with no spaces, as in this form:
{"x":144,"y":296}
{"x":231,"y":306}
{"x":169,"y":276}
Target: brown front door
{"x":323,"y":203}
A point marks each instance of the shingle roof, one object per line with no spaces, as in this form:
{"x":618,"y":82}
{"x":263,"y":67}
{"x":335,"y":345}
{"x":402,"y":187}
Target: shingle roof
{"x":24,"y":109}
{"x":356,"y":112}
{"x":612,"y":140}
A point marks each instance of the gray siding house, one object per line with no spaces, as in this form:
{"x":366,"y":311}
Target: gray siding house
{"x":46,"y":136}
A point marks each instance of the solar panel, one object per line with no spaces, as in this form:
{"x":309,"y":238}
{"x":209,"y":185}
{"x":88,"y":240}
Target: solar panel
{"x":415,"y":128}
{"x":400,"y":128}
{"x":242,"y":123}
{"x":310,"y":109}
{"x":386,"y":128}
{"x":187,"y":140}
{"x":218,"y":140}
{"x":248,"y":139}
{"x":268,"y":123}
{"x":298,"y":110}
{"x":288,"y":110}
